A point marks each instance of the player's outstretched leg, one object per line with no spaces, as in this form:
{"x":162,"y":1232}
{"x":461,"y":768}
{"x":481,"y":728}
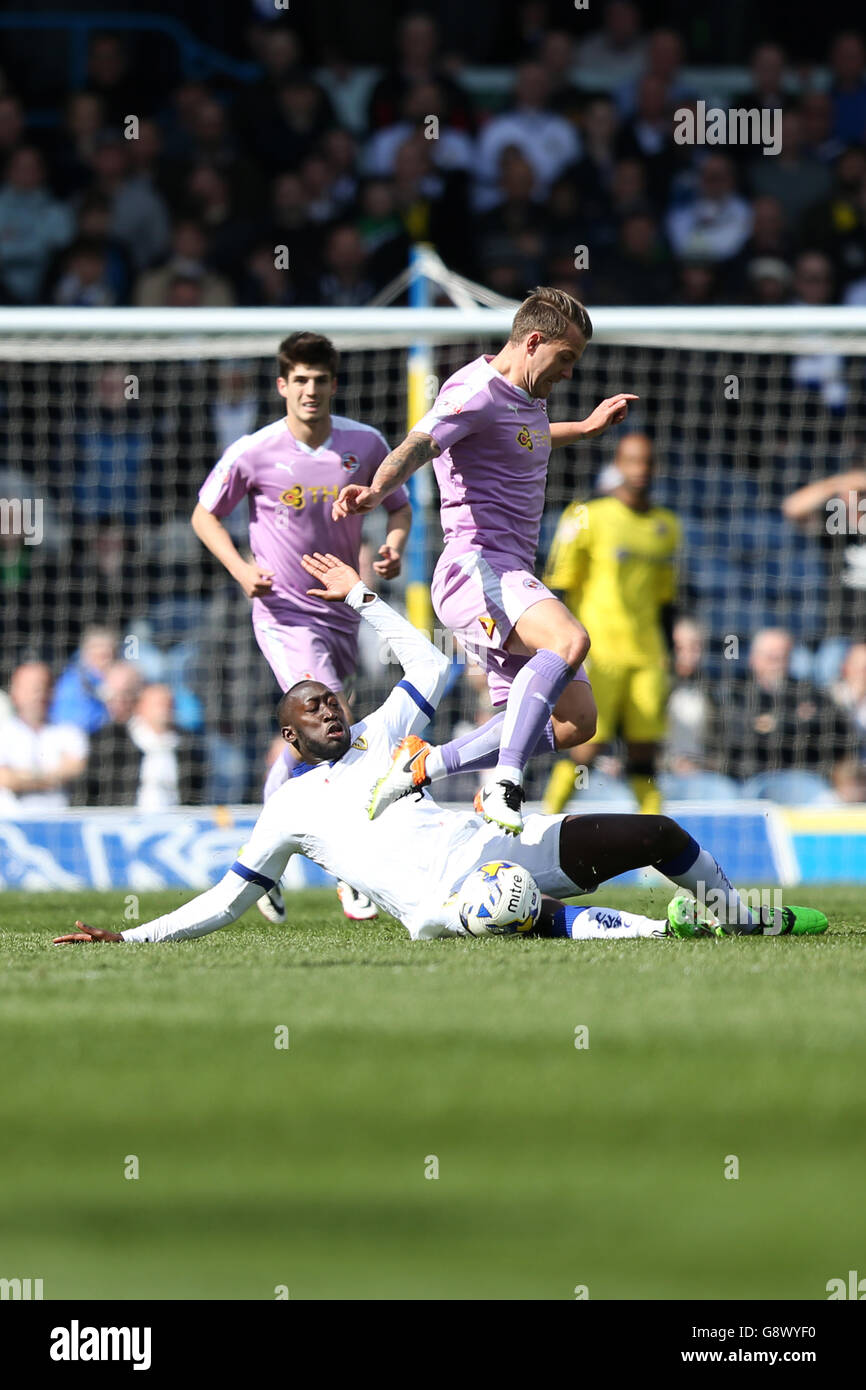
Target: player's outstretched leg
{"x":416,"y":764}
{"x":596,"y":848}
{"x":531,"y":699}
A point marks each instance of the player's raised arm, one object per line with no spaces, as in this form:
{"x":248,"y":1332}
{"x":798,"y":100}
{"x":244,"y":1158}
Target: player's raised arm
{"x":810,"y":501}
{"x":416,"y":450}
{"x":425,"y":668}
{"x":610,"y":412}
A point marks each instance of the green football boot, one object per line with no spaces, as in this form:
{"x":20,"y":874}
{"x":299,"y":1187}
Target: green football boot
{"x":688,"y":920}
{"x":796,"y":921}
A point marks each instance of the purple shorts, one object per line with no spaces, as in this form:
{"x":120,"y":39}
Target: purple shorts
{"x":481,"y":598}
{"x":307,"y":650}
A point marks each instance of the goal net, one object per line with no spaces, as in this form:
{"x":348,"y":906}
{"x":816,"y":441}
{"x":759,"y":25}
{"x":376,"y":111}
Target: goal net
{"x":112,"y":419}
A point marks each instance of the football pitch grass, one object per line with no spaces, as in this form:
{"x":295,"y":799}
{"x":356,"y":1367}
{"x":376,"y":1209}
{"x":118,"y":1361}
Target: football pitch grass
{"x":558,"y":1166}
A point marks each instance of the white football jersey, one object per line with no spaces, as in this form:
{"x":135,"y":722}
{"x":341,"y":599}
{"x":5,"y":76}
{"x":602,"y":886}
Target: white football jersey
{"x":409,"y":859}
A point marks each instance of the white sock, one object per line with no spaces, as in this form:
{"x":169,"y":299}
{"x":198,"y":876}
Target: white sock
{"x":709,"y":883}
{"x":607,"y":922}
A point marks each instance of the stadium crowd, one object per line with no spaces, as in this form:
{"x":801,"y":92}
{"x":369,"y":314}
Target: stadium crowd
{"x":154,"y":188}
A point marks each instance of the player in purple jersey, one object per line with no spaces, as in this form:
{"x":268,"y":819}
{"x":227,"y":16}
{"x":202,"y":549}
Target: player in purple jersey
{"x":490,"y":437}
{"x":291,"y":472}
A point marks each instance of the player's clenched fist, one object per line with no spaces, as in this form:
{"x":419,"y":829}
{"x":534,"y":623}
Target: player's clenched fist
{"x":255,"y":581}
{"x":354,"y":499}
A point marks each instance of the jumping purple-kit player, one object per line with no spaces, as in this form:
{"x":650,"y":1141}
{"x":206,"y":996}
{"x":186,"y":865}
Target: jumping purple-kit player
{"x":292,"y":472}
{"x":490,"y":437}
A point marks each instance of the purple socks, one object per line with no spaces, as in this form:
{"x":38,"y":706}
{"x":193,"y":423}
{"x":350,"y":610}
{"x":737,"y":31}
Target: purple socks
{"x":533,"y":694}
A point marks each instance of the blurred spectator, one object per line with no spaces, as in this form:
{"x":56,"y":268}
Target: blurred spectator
{"x":618,"y":50}
{"x":648,"y":136}
{"x":564,"y":210}
{"x":347,"y":86}
{"x":824,"y":372}
{"x":187,"y":260}
{"x":33,"y":225}
{"x":112,"y":78}
{"x":321,"y":201}
{"x":84,"y":121}
{"x":689,"y":711}
{"x":140,"y":758}
{"x":848,"y":778}
{"x":848,"y":87}
{"x":769,"y":721}
{"x":235,"y":411}
{"x":769,"y":281}
{"x":848,"y":251}
{"x":548,"y":141}
{"x":11,"y":124}
{"x":819,"y":142}
{"x":265,"y":283}
{"x":381,"y":230}
{"x":557,"y":55}
{"x":696,"y":282}
{"x":769,"y":242}
{"x":340,"y":151}
{"x":813,"y":279}
{"x":637,"y":270}
{"x":718,"y":223}
{"x":627,"y":197}
{"x":451,"y":148}
{"x":212,"y":140}
{"x":664,"y":58}
{"x":832,"y":509}
{"x":139,"y":217}
{"x":829,"y":224}
{"x":345,"y":281}
{"x":78,"y":692}
{"x":849,"y":692}
{"x":417,"y":61}
{"x":39,"y":758}
{"x":94,"y":216}
{"x":102,"y":783}
{"x":792,"y":177}
{"x":277,"y":49}
{"x":593,"y":172}
{"x":767,"y":68}
{"x":431,"y":204}
{"x":111,"y":442}
{"x":515,"y":228}
{"x":84,"y":278}
{"x":303,"y":114}
{"x":178,"y":118}
{"x":211,"y":200}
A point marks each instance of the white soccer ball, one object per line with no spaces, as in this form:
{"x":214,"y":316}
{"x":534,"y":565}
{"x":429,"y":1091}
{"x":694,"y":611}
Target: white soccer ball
{"x":499,"y":899}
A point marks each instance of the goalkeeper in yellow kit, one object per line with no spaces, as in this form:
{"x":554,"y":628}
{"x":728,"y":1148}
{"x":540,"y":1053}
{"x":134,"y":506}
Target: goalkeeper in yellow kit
{"x":613,"y":562}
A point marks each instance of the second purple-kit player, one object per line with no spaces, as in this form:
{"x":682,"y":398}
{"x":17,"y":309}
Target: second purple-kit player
{"x":292,"y":471}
